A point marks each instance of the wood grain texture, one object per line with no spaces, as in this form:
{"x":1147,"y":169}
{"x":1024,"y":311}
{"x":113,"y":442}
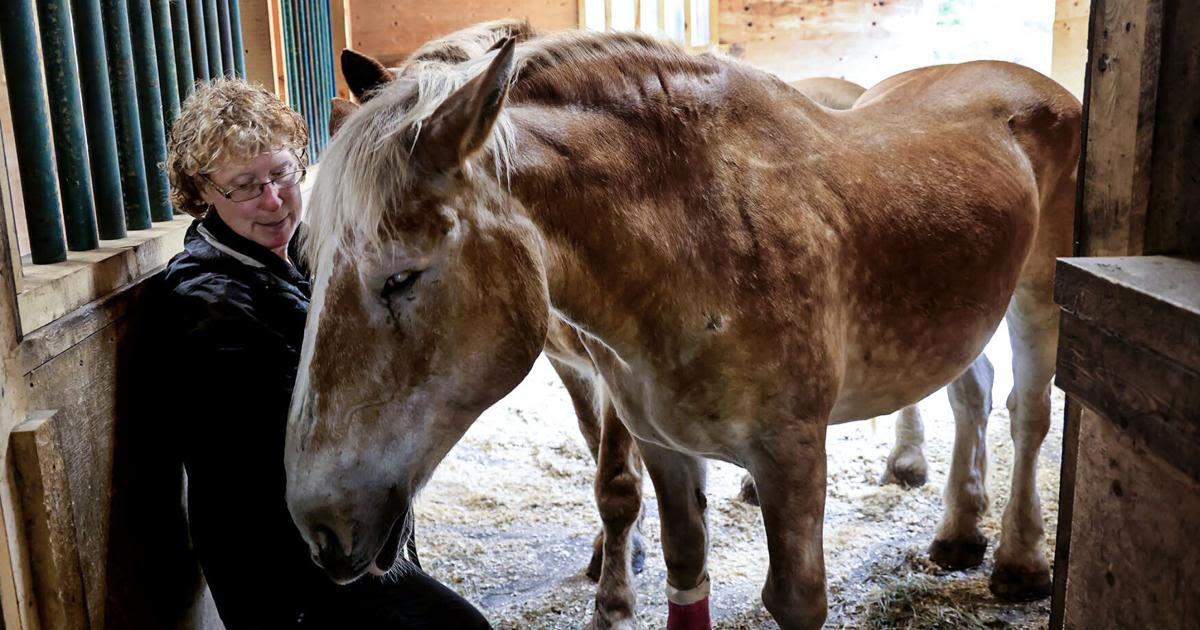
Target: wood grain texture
{"x":49,"y":523}
{"x":1123,"y":86}
{"x":1133,"y":564}
{"x":389,"y":31}
{"x":1173,"y":212}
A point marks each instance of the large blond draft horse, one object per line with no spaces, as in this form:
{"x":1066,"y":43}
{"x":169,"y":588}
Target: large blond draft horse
{"x":620,"y":465}
{"x":743,"y":265}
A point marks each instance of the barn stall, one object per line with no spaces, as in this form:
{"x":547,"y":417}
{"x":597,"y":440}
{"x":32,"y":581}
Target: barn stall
{"x":93,"y":530}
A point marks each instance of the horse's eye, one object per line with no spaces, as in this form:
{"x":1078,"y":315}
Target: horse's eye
{"x":399,"y":283}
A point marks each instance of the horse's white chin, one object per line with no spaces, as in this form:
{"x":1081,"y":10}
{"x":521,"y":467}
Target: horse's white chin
{"x":376,"y":571}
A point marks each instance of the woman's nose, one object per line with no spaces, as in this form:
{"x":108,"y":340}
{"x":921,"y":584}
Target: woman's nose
{"x":270,"y":199}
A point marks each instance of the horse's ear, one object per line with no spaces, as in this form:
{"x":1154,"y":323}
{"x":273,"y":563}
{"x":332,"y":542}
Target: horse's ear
{"x":363,"y":74}
{"x":462,"y":123}
{"x":339,"y":112}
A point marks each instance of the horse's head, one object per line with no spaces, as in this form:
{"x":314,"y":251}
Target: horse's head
{"x":429,"y":305}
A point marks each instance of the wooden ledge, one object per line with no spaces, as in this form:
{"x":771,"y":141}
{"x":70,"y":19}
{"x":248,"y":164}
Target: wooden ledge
{"x":54,"y":290}
{"x":1129,"y":348}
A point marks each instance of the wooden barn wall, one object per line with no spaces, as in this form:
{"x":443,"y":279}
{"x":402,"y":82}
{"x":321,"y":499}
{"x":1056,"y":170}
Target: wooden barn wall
{"x":797,"y":39}
{"x":112,"y":402}
{"x":389,"y":31}
{"x":1069,"y":54}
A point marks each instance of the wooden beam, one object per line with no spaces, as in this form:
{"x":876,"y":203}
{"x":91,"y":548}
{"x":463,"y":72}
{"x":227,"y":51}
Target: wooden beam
{"x":714,"y":23}
{"x":278,"y":61}
{"x":15,"y":579}
{"x":49,"y":523}
{"x":338,"y":10}
{"x":1123,"y":90}
{"x":662,"y":17}
{"x":687,"y":24}
{"x":608,"y":16}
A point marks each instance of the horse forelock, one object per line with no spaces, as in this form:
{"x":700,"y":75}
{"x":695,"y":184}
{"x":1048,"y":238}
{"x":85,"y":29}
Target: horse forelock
{"x":366,"y":172}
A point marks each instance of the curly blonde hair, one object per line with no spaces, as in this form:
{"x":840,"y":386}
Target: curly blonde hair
{"x":227,"y":119}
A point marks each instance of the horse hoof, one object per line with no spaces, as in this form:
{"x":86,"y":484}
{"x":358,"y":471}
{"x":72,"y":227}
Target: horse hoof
{"x":638,"y":557}
{"x":908,"y":470}
{"x":957,"y":555}
{"x":749,"y":493}
{"x":1016,"y":584}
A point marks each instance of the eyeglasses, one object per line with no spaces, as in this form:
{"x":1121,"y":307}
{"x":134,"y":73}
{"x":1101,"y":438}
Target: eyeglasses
{"x":254,"y":190}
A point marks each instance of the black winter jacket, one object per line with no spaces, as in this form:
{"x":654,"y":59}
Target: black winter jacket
{"x":238,"y":313}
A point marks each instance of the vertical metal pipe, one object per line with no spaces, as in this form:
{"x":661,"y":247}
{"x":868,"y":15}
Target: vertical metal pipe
{"x":164,"y":45}
{"x":66,"y":122}
{"x":325,"y":54}
{"x":183,"y":48}
{"x":212,"y":36}
{"x":150,"y":108}
{"x":125,"y":110}
{"x":195,"y":14}
{"x":226,"y":37}
{"x":303,"y":32}
{"x":31,"y":131}
{"x":239,"y":53}
{"x":98,"y":116}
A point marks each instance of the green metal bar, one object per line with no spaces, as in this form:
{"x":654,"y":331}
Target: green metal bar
{"x":326,"y":65}
{"x":66,"y":121}
{"x":200,"y":67}
{"x":289,"y":52}
{"x":98,"y":116}
{"x":150,"y":107}
{"x":226,"y":37}
{"x":239,"y":53}
{"x":183,"y":48}
{"x":164,"y":45}
{"x":31,"y":131}
{"x":125,"y":114}
{"x":212,"y":36}
{"x":304,"y":27}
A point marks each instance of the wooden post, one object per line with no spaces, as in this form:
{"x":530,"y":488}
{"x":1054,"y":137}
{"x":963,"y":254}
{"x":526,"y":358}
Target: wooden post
{"x":1123,"y":93}
{"x":49,"y":523}
{"x":338,"y":16}
{"x":14,"y":577}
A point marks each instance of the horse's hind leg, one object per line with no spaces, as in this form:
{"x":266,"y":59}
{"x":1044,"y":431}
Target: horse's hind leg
{"x":679,"y":481}
{"x":959,"y":543}
{"x":906,"y":464}
{"x":1022,"y":571}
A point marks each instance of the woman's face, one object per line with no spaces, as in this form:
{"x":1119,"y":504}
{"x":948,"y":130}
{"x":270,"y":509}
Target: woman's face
{"x":269,"y":219}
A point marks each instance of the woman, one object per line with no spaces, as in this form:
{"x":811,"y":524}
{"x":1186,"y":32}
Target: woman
{"x":238,"y":296}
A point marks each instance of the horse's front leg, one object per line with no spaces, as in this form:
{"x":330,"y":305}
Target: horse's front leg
{"x":789,"y":471}
{"x":679,"y":481}
{"x":619,"y":498}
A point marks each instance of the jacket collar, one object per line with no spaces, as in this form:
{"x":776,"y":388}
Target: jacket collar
{"x":222,"y":238}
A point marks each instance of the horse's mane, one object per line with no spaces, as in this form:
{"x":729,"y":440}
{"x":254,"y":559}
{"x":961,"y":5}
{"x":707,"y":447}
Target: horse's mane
{"x":370,"y":154}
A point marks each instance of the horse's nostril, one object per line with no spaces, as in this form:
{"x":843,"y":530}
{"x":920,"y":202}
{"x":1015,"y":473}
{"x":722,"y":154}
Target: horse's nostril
{"x":327,"y":543}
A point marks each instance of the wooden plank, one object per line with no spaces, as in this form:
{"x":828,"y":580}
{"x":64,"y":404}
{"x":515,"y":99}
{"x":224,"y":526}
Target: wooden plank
{"x":608,"y":16}
{"x":662,"y":17}
{"x":1133,"y":564}
{"x":1120,"y":295}
{"x":1151,"y":398}
{"x":256,"y":42}
{"x":714,"y":23}
{"x":1173,"y":212}
{"x":687,"y":24}
{"x":1123,"y":95}
{"x":15,"y":578}
{"x":49,"y":522}
{"x":1069,"y":49}
{"x":341,"y":35}
{"x":389,"y":31}
{"x":52,"y":291}
{"x":278,"y":60}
